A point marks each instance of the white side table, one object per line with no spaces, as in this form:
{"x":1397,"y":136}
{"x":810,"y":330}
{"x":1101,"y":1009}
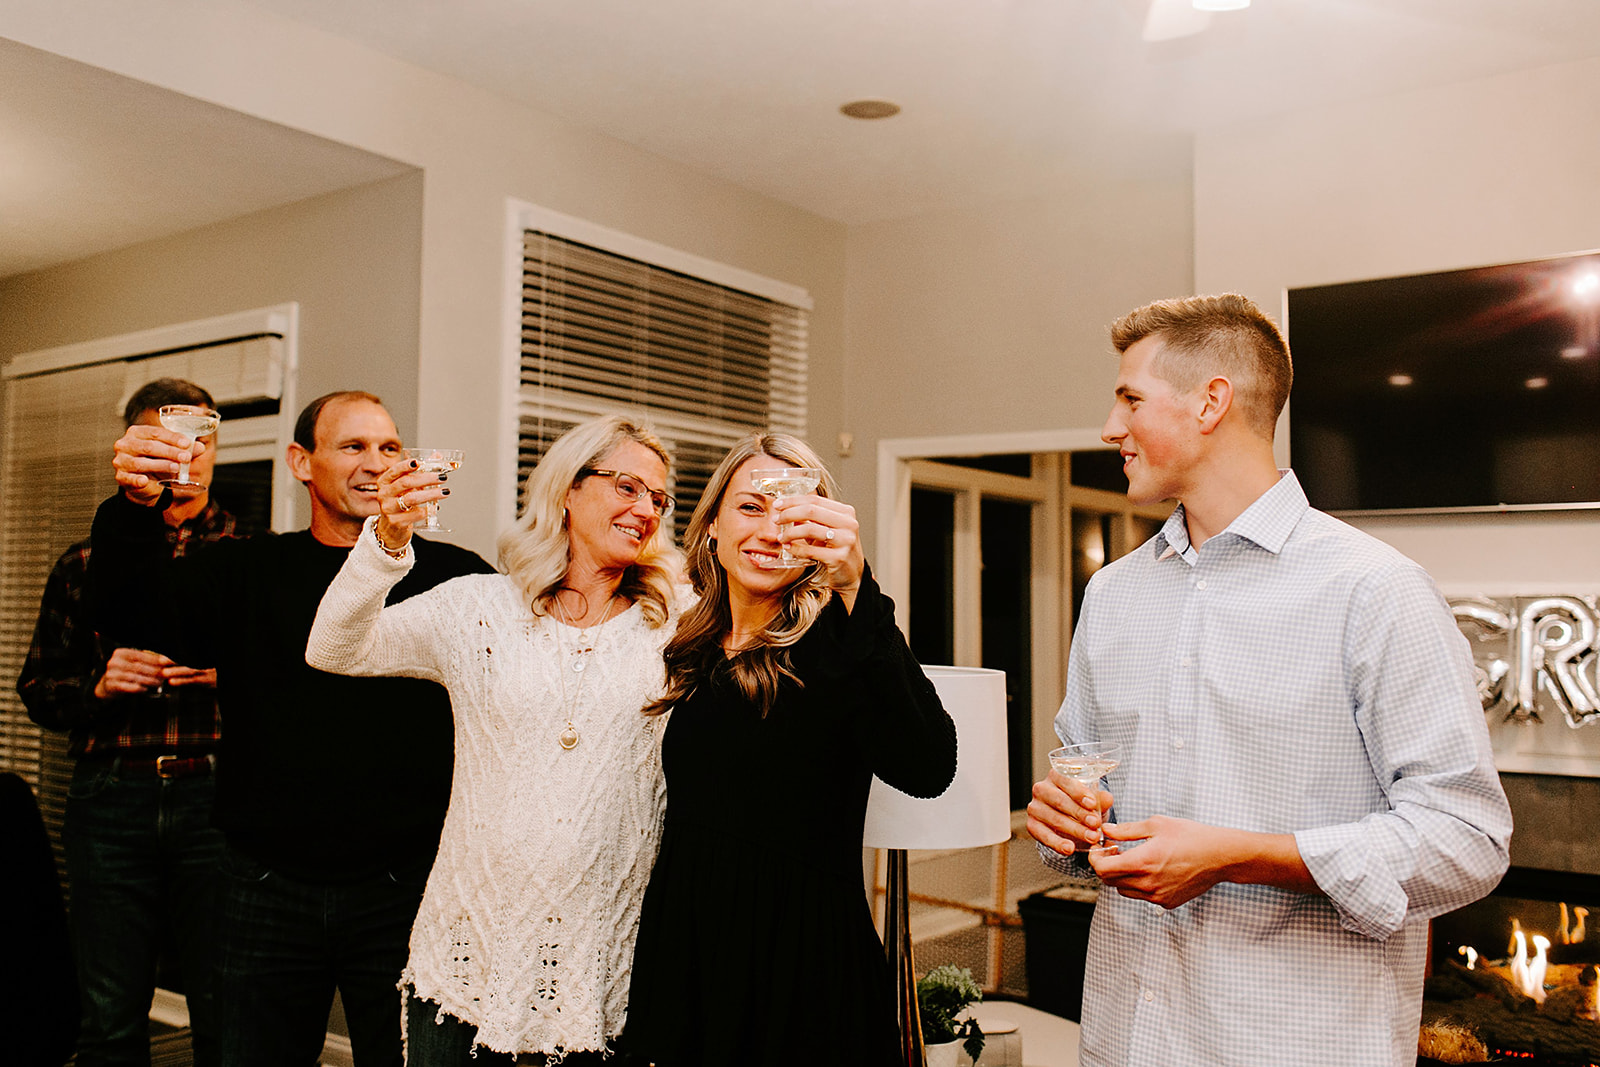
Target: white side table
{"x":1020,"y":1036}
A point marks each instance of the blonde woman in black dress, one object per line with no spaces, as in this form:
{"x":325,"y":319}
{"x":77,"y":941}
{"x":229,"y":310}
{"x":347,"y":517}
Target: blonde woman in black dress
{"x":789,"y":689}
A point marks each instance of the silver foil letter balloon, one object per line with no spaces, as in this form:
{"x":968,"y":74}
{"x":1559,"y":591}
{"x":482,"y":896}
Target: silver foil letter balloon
{"x":1534,"y":654}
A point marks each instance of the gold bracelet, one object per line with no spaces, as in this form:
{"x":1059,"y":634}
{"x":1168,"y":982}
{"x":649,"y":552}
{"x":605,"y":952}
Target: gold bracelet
{"x":392,"y":553}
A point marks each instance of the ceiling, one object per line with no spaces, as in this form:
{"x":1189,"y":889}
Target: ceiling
{"x":93,"y":161}
{"x":1000,"y":98}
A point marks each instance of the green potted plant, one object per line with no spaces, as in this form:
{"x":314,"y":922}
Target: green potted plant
{"x":941,"y":995}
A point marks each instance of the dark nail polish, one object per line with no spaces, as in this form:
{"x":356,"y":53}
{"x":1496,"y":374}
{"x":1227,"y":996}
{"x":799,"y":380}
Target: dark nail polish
{"x":444,"y":477}
{"x":413,"y":464}
{"x":446,"y":492}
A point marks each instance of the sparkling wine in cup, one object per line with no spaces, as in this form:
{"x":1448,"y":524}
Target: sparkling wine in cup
{"x":434,"y":461}
{"x":1088,"y":763}
{"x":786,"y":481}
{"x":194,"y":422}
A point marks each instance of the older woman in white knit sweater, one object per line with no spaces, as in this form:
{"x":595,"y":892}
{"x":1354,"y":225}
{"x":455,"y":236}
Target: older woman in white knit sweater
{"x":524,"y":941}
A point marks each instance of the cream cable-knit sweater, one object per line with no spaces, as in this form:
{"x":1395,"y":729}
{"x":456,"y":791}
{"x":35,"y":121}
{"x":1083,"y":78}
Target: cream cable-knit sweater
{"x":527,"y":925}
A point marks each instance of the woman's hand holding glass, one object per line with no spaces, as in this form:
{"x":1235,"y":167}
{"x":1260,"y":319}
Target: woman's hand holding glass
{"x":404,"y":490}
{"x":823,"y":530}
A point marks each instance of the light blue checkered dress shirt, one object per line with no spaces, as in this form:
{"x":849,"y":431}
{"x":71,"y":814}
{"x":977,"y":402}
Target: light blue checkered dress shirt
{"x":1293,"y":675}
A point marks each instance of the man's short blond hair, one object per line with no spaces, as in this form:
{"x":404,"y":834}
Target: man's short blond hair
{"x":1206,"y":336}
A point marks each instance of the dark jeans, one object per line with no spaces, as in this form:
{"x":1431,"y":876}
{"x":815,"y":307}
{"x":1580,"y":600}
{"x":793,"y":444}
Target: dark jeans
{"x":285,"y":945}
{"x":447,"y":1042}
{"x":141,"y":858}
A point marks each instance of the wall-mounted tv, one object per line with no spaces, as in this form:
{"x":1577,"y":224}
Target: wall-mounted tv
{"x":1462,"y":390}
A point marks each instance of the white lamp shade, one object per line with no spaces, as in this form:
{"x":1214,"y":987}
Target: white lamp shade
{"x":975,"y":810}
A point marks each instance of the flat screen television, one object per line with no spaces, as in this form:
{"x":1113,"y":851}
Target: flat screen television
{"x":1464,"y":390}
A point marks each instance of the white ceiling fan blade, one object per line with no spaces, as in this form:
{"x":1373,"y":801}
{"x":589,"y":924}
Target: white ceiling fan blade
{"x":1169,"y":19}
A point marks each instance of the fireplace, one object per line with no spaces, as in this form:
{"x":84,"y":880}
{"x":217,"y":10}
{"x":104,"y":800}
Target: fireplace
{"x":1519,"y":969}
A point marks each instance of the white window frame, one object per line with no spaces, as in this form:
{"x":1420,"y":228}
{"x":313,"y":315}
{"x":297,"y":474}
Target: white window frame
{"x":264,"y":437}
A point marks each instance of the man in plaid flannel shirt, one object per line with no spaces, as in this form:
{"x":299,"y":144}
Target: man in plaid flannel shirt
{"x":140,"y":847}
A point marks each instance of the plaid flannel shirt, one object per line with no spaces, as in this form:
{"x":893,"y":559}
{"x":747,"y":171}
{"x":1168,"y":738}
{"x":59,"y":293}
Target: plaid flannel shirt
{"x":66,"y":660}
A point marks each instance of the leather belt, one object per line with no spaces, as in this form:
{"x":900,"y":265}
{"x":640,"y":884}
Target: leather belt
{"x":165,"y":766}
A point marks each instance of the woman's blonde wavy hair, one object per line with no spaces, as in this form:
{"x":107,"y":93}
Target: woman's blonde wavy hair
{"x":696,"y":648}
{"x":535,"y":551}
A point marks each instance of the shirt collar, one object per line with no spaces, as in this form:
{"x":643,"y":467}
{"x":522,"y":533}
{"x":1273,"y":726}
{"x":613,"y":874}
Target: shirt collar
{"x":1173,"y":540}
{"x":1267,"y":522}
{"x":219,"y":519}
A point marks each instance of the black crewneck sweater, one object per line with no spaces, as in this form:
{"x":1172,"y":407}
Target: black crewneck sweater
{"x":322,"y":777}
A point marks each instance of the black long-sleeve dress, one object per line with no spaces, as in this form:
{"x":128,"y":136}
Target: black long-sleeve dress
{"x":756,"y":943}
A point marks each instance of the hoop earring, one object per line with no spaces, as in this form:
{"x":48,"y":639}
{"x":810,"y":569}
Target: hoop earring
{"x":711,"y":543}
{"x":566,"y":518}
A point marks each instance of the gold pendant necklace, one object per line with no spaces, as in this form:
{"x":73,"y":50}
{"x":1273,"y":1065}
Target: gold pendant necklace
{"x":568,"y":738}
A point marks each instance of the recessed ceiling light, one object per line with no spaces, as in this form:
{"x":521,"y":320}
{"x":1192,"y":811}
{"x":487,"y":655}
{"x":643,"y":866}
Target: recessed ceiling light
{"x":1399,"y":380}
{"x":1574,"y":352}
{"x":870,"y":109}
{"x":1220,"y":5}
{"x":1536,"y":383}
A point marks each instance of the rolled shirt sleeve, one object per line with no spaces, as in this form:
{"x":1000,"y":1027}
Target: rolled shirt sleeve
{"x":1444,"y":840}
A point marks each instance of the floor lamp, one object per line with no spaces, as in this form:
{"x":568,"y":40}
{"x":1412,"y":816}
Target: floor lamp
{"x":972,"y":813}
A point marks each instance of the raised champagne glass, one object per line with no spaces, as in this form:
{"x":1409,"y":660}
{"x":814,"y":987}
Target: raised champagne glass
{"x":193,"y":421}
{"x":1088,"y":763}
{"x":786,"y":481}
{"x":434,"y":461}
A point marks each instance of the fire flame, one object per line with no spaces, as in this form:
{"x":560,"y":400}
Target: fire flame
{"x":1529,"y":976}
{"x":1574,"y":934}
{"x":1527,"y":972}
{"x":1536,"y":971}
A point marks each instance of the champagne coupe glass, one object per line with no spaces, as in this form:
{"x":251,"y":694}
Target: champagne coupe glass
{"x":786,"y":481}
{"x":1088,"y":763}
{"x":194,"y":422}
{"x":434,"y":461}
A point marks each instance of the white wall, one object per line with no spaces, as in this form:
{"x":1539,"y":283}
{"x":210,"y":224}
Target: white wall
{"x":1490,"y":171}
{"x":476,"y":150}
{"x":994,"y":320}
{"x":350,"y":259}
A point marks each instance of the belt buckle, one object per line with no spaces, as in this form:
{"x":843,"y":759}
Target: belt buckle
{"x":161,"y":766}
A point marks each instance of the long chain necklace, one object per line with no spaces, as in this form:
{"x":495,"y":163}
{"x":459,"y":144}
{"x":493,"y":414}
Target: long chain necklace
{"x":587,"y":639}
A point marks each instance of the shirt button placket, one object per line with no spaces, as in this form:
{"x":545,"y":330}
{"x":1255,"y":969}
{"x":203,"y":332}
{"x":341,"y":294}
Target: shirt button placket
{"x":1184,"y":710}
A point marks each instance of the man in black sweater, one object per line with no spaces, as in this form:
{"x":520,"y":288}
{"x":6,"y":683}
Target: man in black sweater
{"x":331,"y":791}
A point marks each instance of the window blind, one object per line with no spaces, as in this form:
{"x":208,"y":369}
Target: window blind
{"x":55,"y":469}
{"x":704,"y":363}
{"x":57,"y":436}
